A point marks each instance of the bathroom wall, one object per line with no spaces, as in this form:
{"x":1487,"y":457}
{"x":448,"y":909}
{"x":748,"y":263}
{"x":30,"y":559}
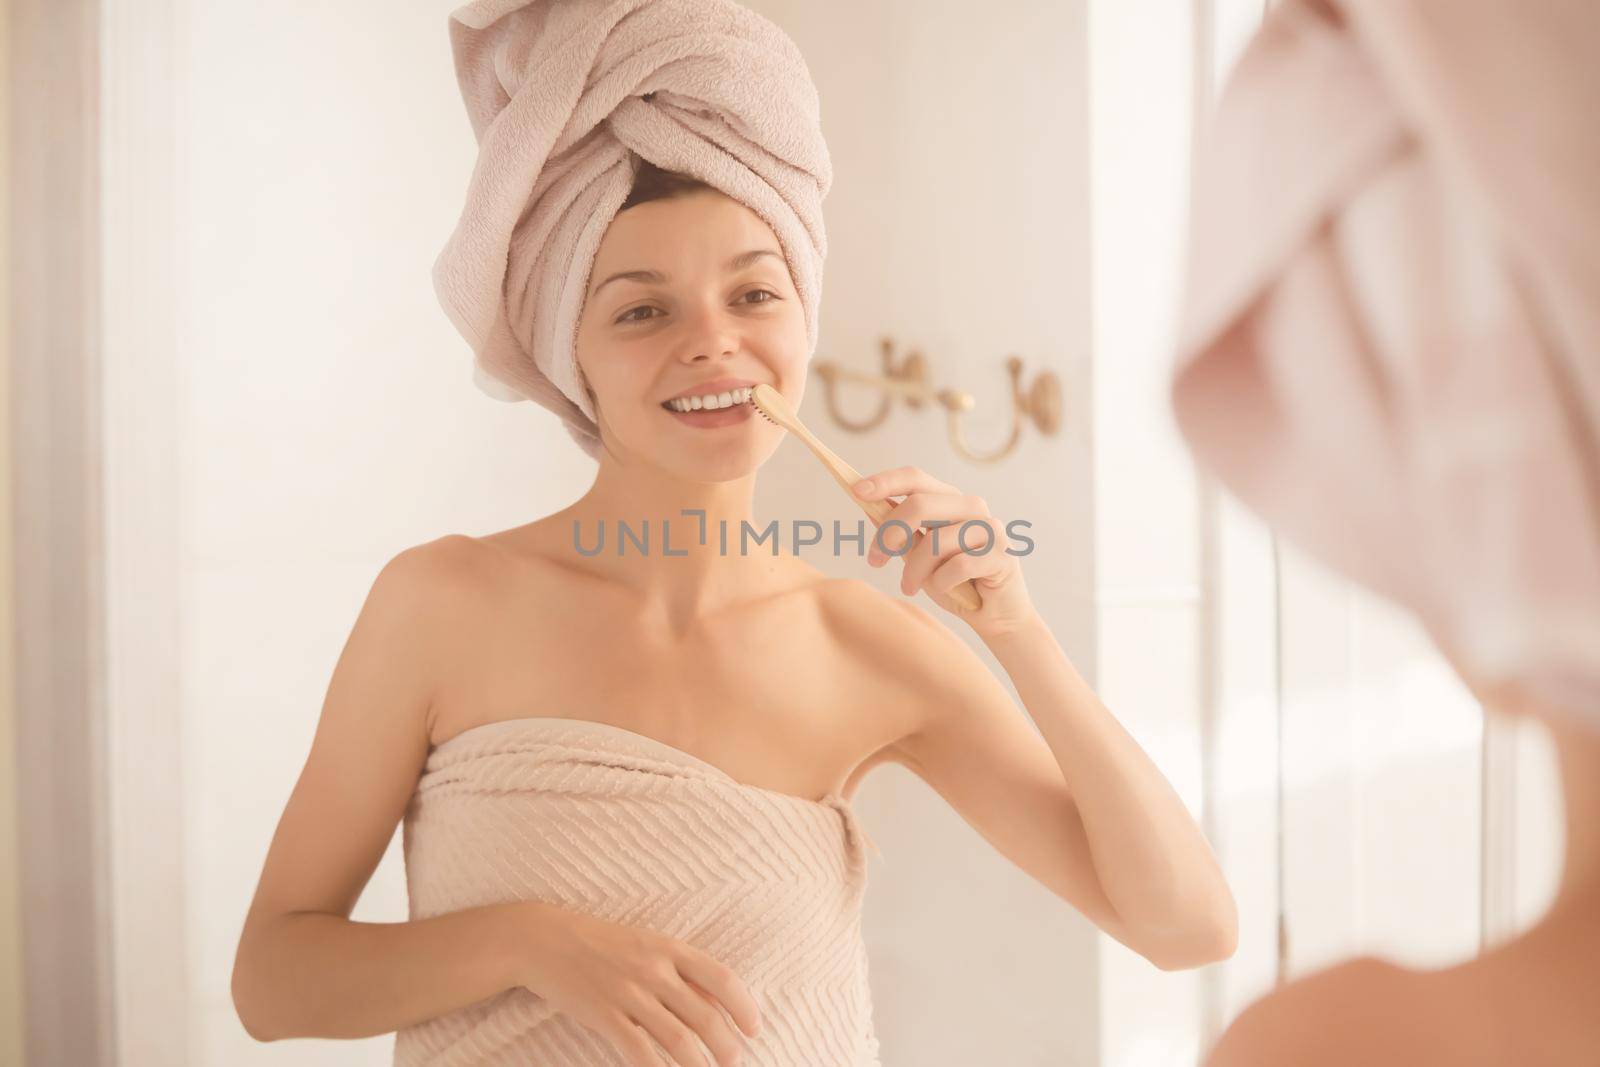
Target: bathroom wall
{"x":326,"y":412}
{"x":1147,"y":579}
{"x":959,"y":225}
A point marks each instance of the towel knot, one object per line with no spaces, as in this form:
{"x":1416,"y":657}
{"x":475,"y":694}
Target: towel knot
{"x":860,"y":840}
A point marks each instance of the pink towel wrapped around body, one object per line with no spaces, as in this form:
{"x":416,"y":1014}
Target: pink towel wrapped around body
{"x":1391,"y":342}
{"x":615,"y":824}
{"x":564,"y":96}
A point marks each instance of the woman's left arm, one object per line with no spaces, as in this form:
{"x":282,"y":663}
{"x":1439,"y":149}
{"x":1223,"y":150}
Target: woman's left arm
{"x":1152,"y":860}
{"x":1166,"y":894}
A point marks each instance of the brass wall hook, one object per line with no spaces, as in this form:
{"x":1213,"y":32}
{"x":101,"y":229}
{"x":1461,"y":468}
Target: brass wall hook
{"x":1040,"y":402}
{"x":908,"y":379}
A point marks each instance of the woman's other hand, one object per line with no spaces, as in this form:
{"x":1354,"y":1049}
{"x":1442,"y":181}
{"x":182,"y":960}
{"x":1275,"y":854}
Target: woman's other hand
{"x":630,"y":984}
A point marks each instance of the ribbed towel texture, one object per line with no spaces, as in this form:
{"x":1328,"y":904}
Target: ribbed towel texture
{"x":600,"y":819}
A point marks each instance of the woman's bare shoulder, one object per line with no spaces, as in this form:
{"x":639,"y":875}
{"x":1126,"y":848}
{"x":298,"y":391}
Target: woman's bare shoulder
{"x":450,"y":562}
{"x":894,"y":625}
{"x":901,"y":643}
{"x":445,"y":582}
{"x":1365,"y":1010}
{"x":863,"y":612}
{"x":458,"y":557}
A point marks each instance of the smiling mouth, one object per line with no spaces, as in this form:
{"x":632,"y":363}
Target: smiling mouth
{"x":723,"y":400}
{"x":739,"y":409}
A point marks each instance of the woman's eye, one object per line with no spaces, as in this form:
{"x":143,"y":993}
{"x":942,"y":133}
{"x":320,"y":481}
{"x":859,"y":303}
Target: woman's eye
{"x":630,"y":316}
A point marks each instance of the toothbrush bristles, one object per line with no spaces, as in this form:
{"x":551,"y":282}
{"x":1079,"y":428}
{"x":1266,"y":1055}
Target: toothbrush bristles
{"x":751,"y":400}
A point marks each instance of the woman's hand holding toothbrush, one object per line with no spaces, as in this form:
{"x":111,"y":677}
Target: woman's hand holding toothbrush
{"x":945,"y":556}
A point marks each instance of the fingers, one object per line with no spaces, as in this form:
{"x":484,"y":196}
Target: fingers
{"x":964,"y":548}
{"x":916,"y":510}
{"x":953,"y":572}
{"x":903,"y":480}
{"x":926,"y":498}
{"x":723,"y":984}
{"x":630,"y":1038}
{"x":942,"y":534}
{"x":670,"y":1033}
{"x":700,"y":1014}
{"x":680,"y":1003}
{"x":656,"y":998}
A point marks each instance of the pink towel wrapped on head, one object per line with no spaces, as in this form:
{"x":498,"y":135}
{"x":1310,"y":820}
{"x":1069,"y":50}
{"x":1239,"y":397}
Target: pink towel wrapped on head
{"x":1391,"y":343}
{"x":563,"y":96}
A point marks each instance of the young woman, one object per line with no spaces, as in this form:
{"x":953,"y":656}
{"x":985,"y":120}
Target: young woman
{"x":625,"y":780}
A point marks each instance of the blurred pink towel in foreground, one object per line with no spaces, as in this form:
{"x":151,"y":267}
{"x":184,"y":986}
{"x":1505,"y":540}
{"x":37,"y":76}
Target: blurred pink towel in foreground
{"x":1391,"y":340}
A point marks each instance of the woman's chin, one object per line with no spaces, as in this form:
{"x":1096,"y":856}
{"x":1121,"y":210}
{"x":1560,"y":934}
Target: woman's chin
{"x":723,"y":462}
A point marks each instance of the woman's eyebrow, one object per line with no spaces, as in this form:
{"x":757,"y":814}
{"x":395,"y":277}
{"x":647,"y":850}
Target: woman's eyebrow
{"x":655,"y":277}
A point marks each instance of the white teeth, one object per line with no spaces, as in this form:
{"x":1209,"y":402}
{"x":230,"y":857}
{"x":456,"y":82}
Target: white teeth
{"x":711,"y":401}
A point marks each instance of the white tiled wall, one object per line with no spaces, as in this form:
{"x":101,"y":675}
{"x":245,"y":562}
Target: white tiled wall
{"x":327,"y":421}
{"x":958,"y":224}
{"x":1147,"y":564}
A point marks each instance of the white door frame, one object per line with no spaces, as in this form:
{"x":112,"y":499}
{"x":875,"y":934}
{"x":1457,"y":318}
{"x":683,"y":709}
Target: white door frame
{"x":95,"y":471}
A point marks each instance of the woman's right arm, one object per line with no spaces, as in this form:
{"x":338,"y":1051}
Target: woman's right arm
{"x":303,"y":968}
{"x":314,"y":974}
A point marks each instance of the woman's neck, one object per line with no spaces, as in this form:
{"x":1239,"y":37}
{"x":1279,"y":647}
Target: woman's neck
{"x":686,"y":557}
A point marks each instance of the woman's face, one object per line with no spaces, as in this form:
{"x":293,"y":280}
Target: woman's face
{"x":709,"y":307}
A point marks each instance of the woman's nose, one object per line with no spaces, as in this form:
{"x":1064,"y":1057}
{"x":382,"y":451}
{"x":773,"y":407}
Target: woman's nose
{"x":712,"y":331}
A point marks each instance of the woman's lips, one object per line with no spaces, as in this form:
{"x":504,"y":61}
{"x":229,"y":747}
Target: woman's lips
{"x":704,"y":419}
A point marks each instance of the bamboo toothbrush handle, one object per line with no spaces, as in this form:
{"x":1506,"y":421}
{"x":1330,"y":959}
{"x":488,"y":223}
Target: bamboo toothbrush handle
{"x":965,"y":593}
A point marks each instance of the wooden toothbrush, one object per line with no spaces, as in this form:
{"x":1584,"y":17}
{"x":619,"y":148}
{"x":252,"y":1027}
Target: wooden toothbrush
{"x":771,"y":405}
